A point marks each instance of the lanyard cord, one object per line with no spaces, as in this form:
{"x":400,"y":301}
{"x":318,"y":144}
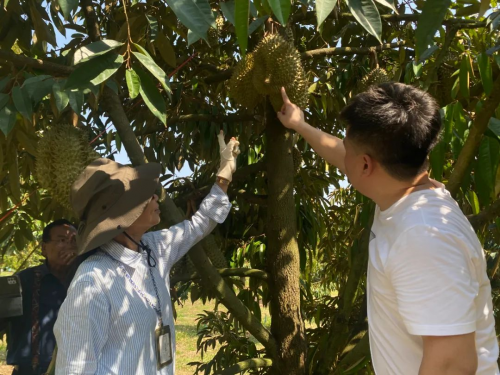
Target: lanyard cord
{"x":146,"y":248}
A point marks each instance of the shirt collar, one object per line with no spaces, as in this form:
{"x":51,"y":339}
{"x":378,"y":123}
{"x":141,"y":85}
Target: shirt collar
{"x":122,"y":254}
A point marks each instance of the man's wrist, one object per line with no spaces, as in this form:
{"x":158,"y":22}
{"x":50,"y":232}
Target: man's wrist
{"x":301,"y":125}
{"x":222,"y":181}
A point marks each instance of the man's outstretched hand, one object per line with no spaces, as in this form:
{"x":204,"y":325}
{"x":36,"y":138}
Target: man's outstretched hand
{"x":291,"y":116}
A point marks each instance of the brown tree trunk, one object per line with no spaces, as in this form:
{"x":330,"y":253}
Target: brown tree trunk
{"x":283,"y":260}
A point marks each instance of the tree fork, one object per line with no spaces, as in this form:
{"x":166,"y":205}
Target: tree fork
{"x":283,"y":261}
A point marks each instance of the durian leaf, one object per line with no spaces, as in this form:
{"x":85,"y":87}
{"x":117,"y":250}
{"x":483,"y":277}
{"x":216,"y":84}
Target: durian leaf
{"x":323,"y":10}
{"x":366,"y":13}
{"x":22,"y":101}
{"x":95,"y":71}
{"x":485,"y":4}
{"x":153,"y":68}
{"x":4,"y":82}
{"x":167,"y":52}
{"x":388,"y":4}
{"x":38,"y":87}
{"x":7,"y":118}
{"x":256,"y":24}
{"x":153,"y":27}
{"x":61,"y":97}
{"x":133,"y":83}
{"x":227,"y":8}
{"x":281,"y":9}
{"x":42,"y":31}
{"x":430,"y":20}
{"x":473,"y":201}
{"x":95,"y":49}
{"x":54,"y":14}
{"x":485,"y":72}
{"x":152,"y":96}
{"x":12,"y":162}
{"x":4,"y":99}
{"x":464,"y":77}
{"x":67,"y":7}
{"x":486,"y":168}
{"x":76,"y":99}
{"x":196,"y":15}
{"x":241,"y":15}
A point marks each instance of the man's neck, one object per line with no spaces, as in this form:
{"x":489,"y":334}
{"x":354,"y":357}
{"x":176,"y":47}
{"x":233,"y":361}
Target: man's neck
{"x":399,"y":189}
{"x":131,"y":244}
{"x":60,"y":272}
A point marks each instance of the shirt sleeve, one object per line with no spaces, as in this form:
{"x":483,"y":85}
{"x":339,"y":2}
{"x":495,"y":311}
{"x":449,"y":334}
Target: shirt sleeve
{"x":175,"y":242}
{"x":81,"y":328}
{"x":434,"y":280}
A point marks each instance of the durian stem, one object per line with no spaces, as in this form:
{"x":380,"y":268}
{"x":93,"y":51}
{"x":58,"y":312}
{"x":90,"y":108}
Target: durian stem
{"x":246,"y":365}
{"x":487,"y":215}
{"x":240,"y":272}
{"x":129,"y":38}
{"x":336,"y":51}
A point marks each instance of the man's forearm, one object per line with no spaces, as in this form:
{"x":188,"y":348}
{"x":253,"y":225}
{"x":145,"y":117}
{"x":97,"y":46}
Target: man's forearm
{"x":327,"y":146}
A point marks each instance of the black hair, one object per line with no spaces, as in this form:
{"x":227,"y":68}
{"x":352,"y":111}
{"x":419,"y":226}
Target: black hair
{"x":46,"y":231}
{"x":397,"y":124}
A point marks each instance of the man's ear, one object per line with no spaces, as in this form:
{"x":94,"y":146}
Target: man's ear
{"x":44,"y":249}
{"x":369,"y":165}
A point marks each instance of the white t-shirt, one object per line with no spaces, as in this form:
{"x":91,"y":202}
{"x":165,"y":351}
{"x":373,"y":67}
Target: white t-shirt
{"x":426,"y":277}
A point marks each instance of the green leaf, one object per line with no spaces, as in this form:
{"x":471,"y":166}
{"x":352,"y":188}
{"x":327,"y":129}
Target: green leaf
{"x":389,"y":4}
{"x":227,"y":8}
{"x":464,"y":77}
{"x":486,"y":168}
{"x":95,"y":71}
{"x":76,"y":100}
{"x":22,"y":101}
{"x":241,"y":15}
{"x":494,"y":126}
{"x":366,"y":13}
{"x":196,"y":15}
{"x":61,"y":97}
{"x":118,"y":142}
{"x":4,"y":82}
{"x":38,"y":87}
{"x":42,"y":31}
{"x":95,"y":49}
{"x":429,"y":22}
{"x":152,"y":96}
{"x":474,"y":202}
{"x":153,"y":68}
{"x":493,"y":20}
{"x":7,"y":118}
{"x":281,"y":9}
{"x":167,"y":52}
{"x":133,"y":83}
{"x":485,"y":72}
{"x":323,"y":10}
{"x":67,"y":7}
{"x":153,"y":27}
{"x":4,"y":99}
{"x":256,"y":24}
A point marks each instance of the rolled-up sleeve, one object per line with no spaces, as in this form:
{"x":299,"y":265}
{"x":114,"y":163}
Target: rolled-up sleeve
{"x":174,"y":243}
{"x":81,"y":328}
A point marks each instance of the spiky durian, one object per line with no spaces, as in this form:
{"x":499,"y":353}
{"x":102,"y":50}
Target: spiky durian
{"x":63,"y":153}
{"x":241,"y":86}
{"x":375,"y":77}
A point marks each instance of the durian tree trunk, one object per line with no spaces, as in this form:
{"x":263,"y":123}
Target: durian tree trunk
{"x":283,"y":262}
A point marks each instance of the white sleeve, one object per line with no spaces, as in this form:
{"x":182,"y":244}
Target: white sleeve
{"x":176,"y":241}
{"x":434,"y":281}
{"x":81,"y":329}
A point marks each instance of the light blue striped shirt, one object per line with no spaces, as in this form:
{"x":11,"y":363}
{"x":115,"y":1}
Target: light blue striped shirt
{"x":104,"y":326}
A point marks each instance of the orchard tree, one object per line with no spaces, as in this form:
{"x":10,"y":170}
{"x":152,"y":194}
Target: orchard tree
{"x":152,"y":77}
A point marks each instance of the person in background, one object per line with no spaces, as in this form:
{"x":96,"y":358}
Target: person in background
{"x":429,"y":297}
{"x":31,"y":340}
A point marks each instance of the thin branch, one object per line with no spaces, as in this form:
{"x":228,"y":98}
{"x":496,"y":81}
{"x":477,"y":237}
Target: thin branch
{"x":240,"y":272}
{"x":350,"y":50}
{"x":46,"y":66}
{"x":261,"y":200}
{"x":486,"y":216}
{"x":474,"y":138}
{"x":245,"y":365}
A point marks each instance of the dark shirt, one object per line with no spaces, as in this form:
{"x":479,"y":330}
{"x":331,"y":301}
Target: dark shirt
{"x":52,"y":295}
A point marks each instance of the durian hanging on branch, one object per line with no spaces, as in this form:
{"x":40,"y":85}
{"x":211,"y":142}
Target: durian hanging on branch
{"x":274,"y":63}
{"x":63,"y":153}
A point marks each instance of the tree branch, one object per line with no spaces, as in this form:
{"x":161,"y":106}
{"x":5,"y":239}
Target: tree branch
{"x":473,"y":141}
{"x":261,"y":200}
{"x":91,"y":20}
{"x":46,"y":66}
{"x":245,"y":365}
{"x":487,"y":215}
{"x":241,"y":272}
{"x":350,"y":50}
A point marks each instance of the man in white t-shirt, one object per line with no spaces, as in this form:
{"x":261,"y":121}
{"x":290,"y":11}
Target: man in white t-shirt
{"x":429,"y":297}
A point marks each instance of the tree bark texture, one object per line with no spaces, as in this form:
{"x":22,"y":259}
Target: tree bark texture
{"x":283,"y":260}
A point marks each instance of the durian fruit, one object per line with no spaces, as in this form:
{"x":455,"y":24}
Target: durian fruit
{"x":375,"y":77}
{"x":214,"y":253}
{"x":241,"y":86}
{"x":274,"y":63}
{"x":63,"y":153}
